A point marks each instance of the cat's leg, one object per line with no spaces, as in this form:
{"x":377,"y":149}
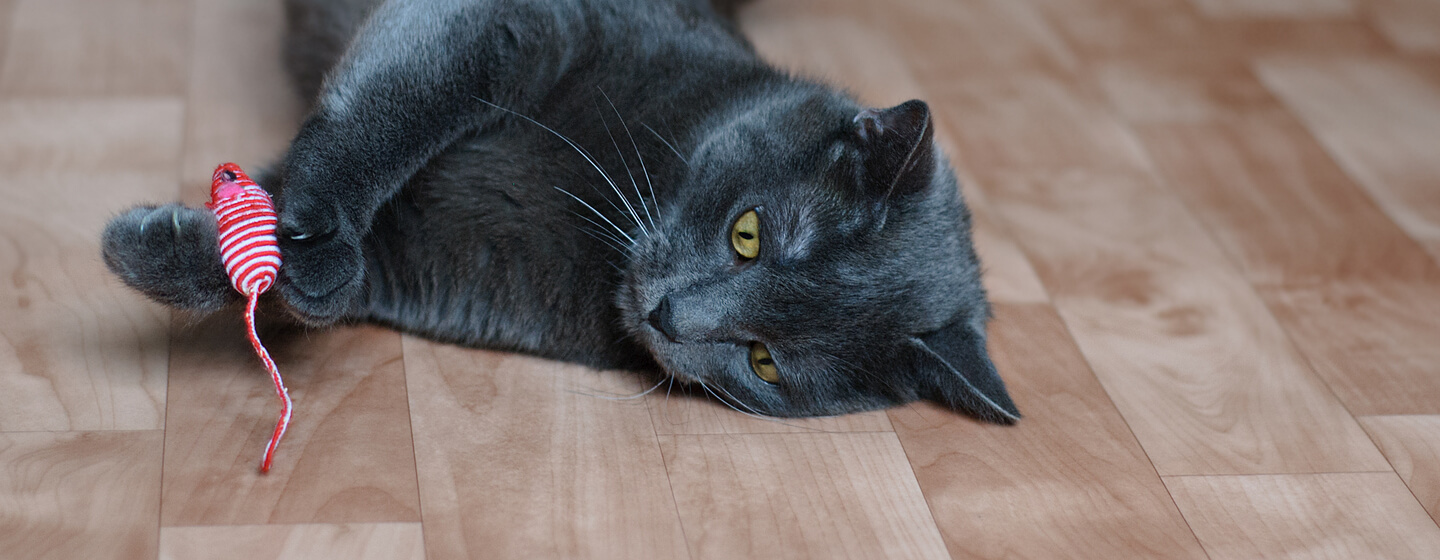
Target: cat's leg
{"x":419,"y":74}
{"x":316,"y":34}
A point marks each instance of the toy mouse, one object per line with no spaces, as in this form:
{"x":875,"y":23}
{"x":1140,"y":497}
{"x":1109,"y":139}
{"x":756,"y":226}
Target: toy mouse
{"x":247,"y":220}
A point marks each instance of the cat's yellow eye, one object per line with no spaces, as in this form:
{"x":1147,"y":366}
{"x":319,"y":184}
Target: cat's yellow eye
{"x":762,"y":363}
{"x":745,"y":236}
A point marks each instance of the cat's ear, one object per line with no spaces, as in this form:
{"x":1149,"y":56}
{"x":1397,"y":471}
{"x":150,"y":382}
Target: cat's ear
{"x":898,"y":149}
{"x":955,"y":370}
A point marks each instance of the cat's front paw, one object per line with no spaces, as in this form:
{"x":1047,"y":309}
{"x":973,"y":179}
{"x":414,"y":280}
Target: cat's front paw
{"x":170,"y":253}
{"x":323,"y":274}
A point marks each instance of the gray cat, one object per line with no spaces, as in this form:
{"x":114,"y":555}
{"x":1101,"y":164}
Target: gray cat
{"x":618,"y":183}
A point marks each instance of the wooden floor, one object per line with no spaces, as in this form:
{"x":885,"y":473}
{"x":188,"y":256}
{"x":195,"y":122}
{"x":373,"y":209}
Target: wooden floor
{"x":1211,"y":229}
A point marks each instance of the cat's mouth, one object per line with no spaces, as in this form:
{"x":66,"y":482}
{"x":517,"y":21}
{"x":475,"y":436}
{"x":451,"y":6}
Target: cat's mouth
{"x":662,"y":349}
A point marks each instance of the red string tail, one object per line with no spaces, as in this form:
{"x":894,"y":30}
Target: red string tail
{"x":283,"y":421}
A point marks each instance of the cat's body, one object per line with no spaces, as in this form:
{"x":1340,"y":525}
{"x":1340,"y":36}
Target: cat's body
{"x":564,"y":178}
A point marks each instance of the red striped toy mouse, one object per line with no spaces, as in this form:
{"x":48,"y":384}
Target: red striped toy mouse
{"x":247,"y":221}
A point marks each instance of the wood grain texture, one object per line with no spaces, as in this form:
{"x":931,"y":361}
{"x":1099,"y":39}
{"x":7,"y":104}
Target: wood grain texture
{"x":1287,"y":9}
{"x":1099,"y":30}
{"x":993,"y":35}
{"x":1380,"y":118}
{"x":80,"y":495}
{"x":1151,"y":89}
{"x":1339,"y":516}
{"x":96,"y":47}
{"x":1357,"y":295}
{"x":1412,"y":445}
{"x":77,"y":350}
{"x":1068,"y":481}
{"x":868,"y":61}
{"x":88,"y":138}
{"x":353,"y":541}
{"x":1412,"y":25}
{"x":1276,"y":201}
{"x":1192,"y":358}
{"x":1007,"y":273}
{"x":6,"y":8}
{"x":1373,"y":342}
{"x":518,"y":459}
{"x":681,"y":411}
{"x":242,"y":106}
{"x":1203,"y":373}
{"x":1032,"y":121}
{"x":347,"y":457}
{"x":812,"y":495}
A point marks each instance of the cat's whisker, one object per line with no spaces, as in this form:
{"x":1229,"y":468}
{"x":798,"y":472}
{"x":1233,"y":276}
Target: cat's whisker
{"x":605,"y":197}
{"x":608,"y":231}
{"x":756,"y":415}
{"x":671,"y":130}
{"x":578,"y":149}
{"x":666,"y":143}
{"x":616,"y":397}
{"x":635,"y":217}
{"x":643,"y":171}
{"x":597,"y":213}
{"x":597,"y":237}
{"x":616,"y":243}
{"x":739,"y":402}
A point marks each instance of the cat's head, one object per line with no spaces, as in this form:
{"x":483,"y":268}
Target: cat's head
{"x":817,"y":261}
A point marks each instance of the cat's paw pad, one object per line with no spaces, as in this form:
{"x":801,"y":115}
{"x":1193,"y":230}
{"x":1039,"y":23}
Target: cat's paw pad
{"x":324,"y":269}
{"x":169,"y":253}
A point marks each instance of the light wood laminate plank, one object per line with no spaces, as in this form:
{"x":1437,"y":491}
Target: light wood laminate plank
{"x":688,"y":410}
{"x":78,"y":351}
{"x":1194,"y":361}
{"x":1160,"y":89}
{"x":1358,"y":296}
{"x":1280,"y":9}
{"x":1374,"y":342}
{"x":1190,"y":354}
{"x":1333,"y":516}
{"x":1068,"y":481}
{"x":1412,"y":445}
{"x":811,"y":495}
{"x":6,"y":8}
{"x":347,"y":457}
{"x":1412,"y":25}
{"x":1380,"y":118}
{"x":1032,"y":121}
{"x":1099,"y":30}
{"x":1276,"y":201}
{"x":242,"y":107}
{"x":517,"y":459}
{"x":96,"y":47}
{"x":993,"y":35}
{"x":67,"y":495}
{"x":353,"y":541}
{"x":93,"y":138}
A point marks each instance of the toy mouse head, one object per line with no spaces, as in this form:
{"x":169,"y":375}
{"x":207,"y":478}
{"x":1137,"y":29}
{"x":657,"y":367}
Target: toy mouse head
{"x":228,"y":180}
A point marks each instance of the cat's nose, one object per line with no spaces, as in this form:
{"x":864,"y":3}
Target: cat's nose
{"x":662,"y":319}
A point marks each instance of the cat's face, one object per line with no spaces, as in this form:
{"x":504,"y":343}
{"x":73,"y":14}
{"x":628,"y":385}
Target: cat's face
{"x":816,"y":262}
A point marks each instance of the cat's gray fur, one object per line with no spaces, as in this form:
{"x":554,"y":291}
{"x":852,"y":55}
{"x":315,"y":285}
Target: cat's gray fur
{"x":420,"y":194}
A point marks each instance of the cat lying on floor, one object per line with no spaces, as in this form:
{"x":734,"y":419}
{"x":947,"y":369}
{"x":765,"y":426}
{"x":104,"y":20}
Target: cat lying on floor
{"x":618,"y":183}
